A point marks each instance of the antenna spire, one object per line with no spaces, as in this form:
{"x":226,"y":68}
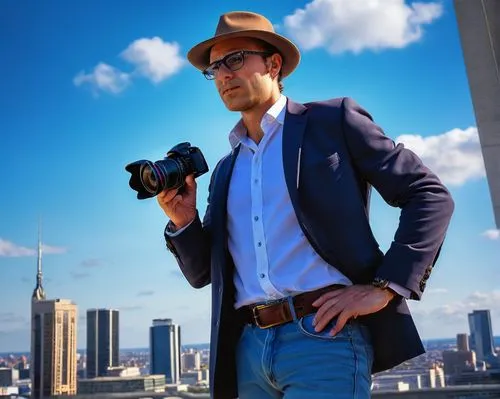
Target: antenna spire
{"x":39,"y":293}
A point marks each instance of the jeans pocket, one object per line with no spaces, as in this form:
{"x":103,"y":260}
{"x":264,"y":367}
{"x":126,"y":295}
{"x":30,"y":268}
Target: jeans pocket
{"x":306,"y":328}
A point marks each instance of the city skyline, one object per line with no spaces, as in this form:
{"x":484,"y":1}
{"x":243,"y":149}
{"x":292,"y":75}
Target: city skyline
{"x":85,"y":102}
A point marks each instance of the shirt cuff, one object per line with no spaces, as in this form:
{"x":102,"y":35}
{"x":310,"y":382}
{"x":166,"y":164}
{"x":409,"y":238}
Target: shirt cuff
{"x":169,"y":232}
{"x":402,"y":291}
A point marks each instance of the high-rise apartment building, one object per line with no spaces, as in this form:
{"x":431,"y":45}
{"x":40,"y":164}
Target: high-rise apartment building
{"x":165,"y":349}
{"x":102,"y":341}
{"x":53,"y":348}
{"x":53,"y":342}
{"x":481,"y":335}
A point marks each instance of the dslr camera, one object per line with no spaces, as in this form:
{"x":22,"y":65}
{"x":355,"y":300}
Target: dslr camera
{"x":151,"y":178}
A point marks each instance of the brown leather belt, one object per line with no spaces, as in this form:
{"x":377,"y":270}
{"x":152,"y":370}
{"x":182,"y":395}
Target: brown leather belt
{"x":280,"y":311}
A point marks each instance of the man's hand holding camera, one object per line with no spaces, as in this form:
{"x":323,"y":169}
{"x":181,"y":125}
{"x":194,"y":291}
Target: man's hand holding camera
{"x":171,"y":180}
{"x":180,"y":205}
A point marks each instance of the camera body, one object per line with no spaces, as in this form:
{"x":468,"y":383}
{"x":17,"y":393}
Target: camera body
{"x":151,"y":178}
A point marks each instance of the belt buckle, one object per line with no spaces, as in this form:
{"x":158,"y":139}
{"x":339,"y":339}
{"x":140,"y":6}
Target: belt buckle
{"x":257,"y":308}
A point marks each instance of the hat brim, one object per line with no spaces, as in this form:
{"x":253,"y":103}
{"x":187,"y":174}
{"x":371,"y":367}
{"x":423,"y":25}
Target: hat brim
{"x":199,"y":55}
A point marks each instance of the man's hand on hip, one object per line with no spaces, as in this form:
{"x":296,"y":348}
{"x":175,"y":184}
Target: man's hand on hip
{"x":347,"y":303}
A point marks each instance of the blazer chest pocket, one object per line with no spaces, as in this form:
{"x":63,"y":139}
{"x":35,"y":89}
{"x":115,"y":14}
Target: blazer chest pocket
{"x":333,"y":161}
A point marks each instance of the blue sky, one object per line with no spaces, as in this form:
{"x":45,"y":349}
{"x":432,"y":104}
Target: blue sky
{"x":87,"y":87}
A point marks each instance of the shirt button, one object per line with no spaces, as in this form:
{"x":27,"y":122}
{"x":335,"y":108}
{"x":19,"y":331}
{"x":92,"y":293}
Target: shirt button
{"x":259,"y":244}
{"x":255,"y":218}
{"x":256,"y":181}
{"x":262,"y":275}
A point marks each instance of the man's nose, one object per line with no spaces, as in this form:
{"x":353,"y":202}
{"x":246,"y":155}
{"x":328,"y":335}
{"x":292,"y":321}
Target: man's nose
{"x":224,"y":73}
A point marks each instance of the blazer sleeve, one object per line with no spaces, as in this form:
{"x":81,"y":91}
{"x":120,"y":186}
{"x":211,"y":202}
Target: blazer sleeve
{"x":403,"y":181}
{"x":191,"y":247}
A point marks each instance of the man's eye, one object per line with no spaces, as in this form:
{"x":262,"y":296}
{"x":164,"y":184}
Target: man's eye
{"x":233,"y":60}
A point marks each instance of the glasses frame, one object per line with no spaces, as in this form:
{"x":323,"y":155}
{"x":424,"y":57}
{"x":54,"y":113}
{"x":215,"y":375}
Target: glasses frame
{"x":215,"y":66}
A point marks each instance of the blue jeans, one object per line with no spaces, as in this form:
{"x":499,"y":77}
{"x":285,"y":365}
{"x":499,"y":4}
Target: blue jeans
{"x":292,"y":361}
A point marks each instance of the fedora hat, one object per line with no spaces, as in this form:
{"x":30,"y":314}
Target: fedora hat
{"x":246,"y":24}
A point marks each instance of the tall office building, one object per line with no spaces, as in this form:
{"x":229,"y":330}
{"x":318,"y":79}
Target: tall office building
{"x":102,"y":341}
{"x":482,"y":335}
{"x":462,"y":342}
{"x":53,"y":342}
{"x":165,"y":349}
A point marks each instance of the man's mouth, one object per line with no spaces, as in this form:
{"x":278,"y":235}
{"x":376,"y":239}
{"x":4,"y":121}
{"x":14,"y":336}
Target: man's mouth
{"x":229,"y":90}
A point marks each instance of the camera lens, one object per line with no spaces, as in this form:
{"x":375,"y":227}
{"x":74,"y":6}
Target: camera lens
{"x":149,"y":179}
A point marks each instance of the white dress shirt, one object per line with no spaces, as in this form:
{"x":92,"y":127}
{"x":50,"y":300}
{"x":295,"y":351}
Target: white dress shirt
{"x":272,"y":256}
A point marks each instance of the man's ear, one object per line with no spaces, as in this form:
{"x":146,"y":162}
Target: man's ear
{"x":276,"y":62}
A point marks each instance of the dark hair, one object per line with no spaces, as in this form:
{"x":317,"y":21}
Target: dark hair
{"x":273,"y":50}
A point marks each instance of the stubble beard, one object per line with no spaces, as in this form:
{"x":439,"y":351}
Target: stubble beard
{"x":238,"y":104}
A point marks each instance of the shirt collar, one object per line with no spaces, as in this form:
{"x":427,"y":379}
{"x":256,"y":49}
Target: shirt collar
{"x":274,"y":114}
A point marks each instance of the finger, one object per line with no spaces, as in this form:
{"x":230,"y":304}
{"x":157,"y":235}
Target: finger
{"x":325,"y":297}
{"x":166,"y":196}
{"x":323,"y":310}
{"x":341,"y":321}
{"x":190,"y":182}
{"x":321,"y":321}
{"x":339,"y":302}
{"x":332,"y":309}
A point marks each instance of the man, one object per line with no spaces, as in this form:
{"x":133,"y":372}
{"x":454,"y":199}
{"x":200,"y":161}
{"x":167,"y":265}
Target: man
{"x":304,"y":304}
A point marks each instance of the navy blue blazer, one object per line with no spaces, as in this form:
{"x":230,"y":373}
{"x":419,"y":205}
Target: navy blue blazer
{"x":333,"y":153}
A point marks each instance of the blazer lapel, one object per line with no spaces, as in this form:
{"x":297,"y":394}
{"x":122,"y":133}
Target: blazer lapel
{"x":218,"y":203}
{"x":293,"y":133}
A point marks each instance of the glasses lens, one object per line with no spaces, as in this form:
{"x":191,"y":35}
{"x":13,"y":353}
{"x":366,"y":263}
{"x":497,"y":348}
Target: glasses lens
{"x":209,"y":73}
{"x":234,"y":61}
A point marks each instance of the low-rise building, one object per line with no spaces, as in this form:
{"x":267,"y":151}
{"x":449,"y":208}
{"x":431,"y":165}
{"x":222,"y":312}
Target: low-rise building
{"x":98,"y":385}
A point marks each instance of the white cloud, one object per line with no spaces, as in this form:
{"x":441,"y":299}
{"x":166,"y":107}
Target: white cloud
{"x":46,"y":249}
{"x":155,"y":59}
{"x":458,"y":310}
{"x":105,"y":78}
{"x":450,"y":318}
{"x":9,"y":249}
{"x":358,"y":25}
{"x":455,"y":156}
{"x":492,"y":234}
{"x":152,"y":58}
{"x":484,"y":300}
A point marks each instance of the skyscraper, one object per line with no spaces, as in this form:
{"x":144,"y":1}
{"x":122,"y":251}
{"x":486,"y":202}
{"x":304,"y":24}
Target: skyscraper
{"x":481,"y":335}
{"x":102,"y":341}
{"x":53,"y":342}
{"x":462,"y":342}
{"x":53,"y":348}
{"x":165,"y":349}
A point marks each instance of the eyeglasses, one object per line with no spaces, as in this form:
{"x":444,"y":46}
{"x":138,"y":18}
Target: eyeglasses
{"x":233,"y":62}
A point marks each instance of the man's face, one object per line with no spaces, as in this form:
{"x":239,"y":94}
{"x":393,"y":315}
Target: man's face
{"x":249,"y":86}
